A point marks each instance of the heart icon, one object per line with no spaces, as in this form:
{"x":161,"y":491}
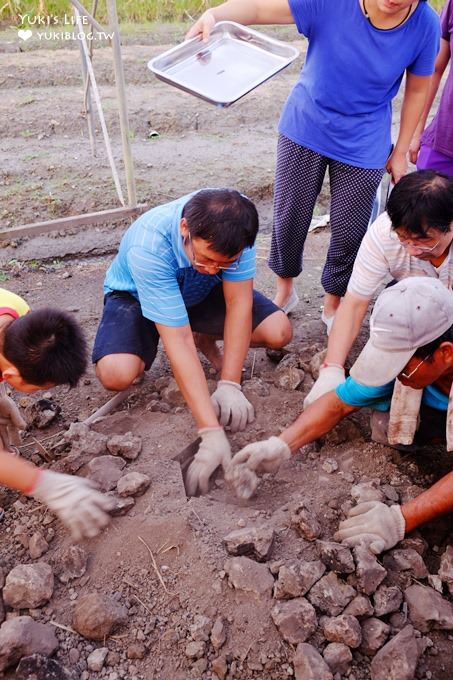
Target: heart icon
{"x":24,"y":35}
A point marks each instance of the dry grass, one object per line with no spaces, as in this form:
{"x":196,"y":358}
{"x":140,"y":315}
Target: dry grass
{"x":132,"y":11}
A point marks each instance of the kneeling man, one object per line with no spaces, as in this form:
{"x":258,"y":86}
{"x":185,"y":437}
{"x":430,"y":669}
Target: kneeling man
{"x":182,"y":268}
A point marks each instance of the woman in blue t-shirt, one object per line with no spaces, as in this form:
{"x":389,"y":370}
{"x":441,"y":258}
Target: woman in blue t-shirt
{"x":338,"y":116}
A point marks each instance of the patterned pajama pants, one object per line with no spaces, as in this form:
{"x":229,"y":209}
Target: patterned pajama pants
{"x":298,"y":181}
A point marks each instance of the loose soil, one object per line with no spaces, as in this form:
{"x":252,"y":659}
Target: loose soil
{"x":46,"y":170}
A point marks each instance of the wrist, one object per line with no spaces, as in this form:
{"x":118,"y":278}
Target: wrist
{"x":32,"y":482}
{"x":410,"y":519}
{"x":286,"y":440}
{"x":331,"y":364}
{"x":233,"y":383}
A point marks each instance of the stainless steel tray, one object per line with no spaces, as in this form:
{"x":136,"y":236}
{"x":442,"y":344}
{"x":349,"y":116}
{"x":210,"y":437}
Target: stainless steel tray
{"x":234,"y":61}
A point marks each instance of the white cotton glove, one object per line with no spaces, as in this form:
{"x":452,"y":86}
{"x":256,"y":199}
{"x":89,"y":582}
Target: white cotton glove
{"x":329,"y":378}
{"x":375,"y":524}
{"x":231,"y":406}
{"x":75,"y":501}
{"x":213,"y":451}
{"x":255,"y":459}
{"x":11,"y":422}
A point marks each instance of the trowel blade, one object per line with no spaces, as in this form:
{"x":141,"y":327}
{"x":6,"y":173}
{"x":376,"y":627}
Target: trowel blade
{"x":185,"y":457}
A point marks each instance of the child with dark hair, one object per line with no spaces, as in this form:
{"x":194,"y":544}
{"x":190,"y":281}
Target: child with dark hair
{"x":46,"y":346}
{"x":184,"y":273}
{"x":38,"y":350}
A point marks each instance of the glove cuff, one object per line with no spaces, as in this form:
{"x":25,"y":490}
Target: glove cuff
{"x":230,"y":382}
{"x":400,"y":522}
{"x":284,"y":449}
{"x":205,"y":430}
{"x":333,"y":369}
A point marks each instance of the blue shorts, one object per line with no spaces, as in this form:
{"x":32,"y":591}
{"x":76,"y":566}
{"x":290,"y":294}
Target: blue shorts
{"x":123,"y":328}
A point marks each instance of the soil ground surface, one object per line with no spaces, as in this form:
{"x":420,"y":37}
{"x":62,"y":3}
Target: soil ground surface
{"x":46,"y":171}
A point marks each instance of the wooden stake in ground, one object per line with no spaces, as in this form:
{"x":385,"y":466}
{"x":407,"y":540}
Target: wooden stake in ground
{"x":122,"y":108}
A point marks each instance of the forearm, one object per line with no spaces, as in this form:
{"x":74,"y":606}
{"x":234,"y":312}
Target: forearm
{"x":415,"y":95}
{"x":236,"y":339}
{"x":318,"y":419}
{"x":188,"y":373}
{"x":436,"y":501}
{"x":16,"y":473}
{"x":441,"y":63}
{"x":434,"y":86}
{"x":253,"y":12}
{"x":345,"y":329}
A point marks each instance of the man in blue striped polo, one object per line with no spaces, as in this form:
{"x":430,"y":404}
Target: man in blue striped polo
{"x":182,"y":268}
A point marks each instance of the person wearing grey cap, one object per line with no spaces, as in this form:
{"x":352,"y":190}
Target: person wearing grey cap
{"x":410,"y":346}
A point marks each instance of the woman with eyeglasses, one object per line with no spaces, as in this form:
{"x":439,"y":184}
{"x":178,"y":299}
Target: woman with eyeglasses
{"x":338,"y":117}
{"x":433,"y":147}
{"x":412,"y":238}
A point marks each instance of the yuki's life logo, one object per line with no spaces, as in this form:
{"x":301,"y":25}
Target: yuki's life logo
{"x":53,"y":27}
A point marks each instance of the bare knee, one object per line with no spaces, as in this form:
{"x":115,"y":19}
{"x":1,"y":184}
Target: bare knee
{"x":117,"y":371}
{"x":281,"y":335}
{"x":274,"y":332}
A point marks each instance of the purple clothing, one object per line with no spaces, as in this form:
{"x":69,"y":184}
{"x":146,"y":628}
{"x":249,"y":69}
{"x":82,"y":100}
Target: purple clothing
{"x":439,"y":134}
{"x":429,"y":159}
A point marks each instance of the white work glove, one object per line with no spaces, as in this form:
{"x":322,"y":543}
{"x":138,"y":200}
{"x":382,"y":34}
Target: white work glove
{"x":375,"y":524}
{"x":255,"y":459}
{"x":213,"y":451}
{"x":329,"y":378}
{"x":231,"y":406}
{"x":11,"y":422}
{"x":75,"y":501}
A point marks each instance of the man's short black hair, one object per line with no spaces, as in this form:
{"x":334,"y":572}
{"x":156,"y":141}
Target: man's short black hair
{"x":46,"y":346}
{"x":431,"y":347}
{"x":225,"y":218}
{"x":420,"y":201}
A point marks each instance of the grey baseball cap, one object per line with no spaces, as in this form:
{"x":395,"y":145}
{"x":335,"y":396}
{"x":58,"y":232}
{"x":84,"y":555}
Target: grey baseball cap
{"x":406,"y":316}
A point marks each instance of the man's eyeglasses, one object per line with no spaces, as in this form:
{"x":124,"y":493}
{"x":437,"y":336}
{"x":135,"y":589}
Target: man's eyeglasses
{"x":211,"y":264}
{"x":409,"y":375}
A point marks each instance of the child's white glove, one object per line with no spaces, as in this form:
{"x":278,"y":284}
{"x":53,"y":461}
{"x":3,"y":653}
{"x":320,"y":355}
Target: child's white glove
{"x":75,"y":501}
{"x":231,"y":406}
{"x":377,"y":525}
{"x":213,"y":451}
